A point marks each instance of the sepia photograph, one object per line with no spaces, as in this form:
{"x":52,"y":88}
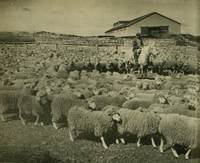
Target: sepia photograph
{"x":99,"y":81}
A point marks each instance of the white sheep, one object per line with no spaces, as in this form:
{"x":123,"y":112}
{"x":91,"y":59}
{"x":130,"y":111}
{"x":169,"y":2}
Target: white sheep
{"x":74,"y":75}
{"x":97,"y":123}
{"x":197,"y":111}
{"x":29,"y":105}
{"x":179,"y":129}
{"x":61,"y":105}
{"x":183,"y":109}
{"x":134,"y":103}
{"x":100,"y":101}
{"x":8,"y":101}
{"x":143,"y":101}
{"x":138,"y":123}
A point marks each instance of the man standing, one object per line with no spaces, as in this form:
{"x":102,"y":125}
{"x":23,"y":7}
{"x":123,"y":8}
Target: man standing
{"x":137,"y":46}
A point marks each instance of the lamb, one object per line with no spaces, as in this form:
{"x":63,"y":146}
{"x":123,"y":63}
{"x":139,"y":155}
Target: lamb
{"x":179,"y":129}
{"x":8,"y":101}
{"x":97,"y":123}
{"x":138,"y":123}
{"x":61,"y":105}
{"x":29,"y":105}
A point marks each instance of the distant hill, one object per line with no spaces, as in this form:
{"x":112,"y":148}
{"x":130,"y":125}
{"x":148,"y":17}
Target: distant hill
{"x":16,"y":37}
{"x":27,"y":37}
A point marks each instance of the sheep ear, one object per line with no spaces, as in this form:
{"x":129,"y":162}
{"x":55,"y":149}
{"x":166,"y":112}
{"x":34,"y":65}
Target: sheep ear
{"x":117,"y":114}
{"x":109,"y":113}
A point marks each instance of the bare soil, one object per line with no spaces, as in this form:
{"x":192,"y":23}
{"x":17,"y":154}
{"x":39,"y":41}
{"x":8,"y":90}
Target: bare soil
{"x":45,"y":144}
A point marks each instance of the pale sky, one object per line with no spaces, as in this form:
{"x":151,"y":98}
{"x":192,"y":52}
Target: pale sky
{"x":91,"y":17}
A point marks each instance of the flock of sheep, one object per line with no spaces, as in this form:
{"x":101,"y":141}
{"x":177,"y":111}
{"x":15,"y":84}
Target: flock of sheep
{"x":141,"y":114}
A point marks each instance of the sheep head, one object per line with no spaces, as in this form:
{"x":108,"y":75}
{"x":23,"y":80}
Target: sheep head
{"x":91,"y":104}
{"x":42,"y":98}
{"x":114,"y":115}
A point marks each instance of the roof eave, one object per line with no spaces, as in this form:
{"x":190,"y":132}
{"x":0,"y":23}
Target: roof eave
{"x":134,"y":22}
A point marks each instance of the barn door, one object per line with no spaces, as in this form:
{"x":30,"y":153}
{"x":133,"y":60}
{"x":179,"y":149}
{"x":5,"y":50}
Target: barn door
{"x":144,"y":31}
{"x":154,"y":31}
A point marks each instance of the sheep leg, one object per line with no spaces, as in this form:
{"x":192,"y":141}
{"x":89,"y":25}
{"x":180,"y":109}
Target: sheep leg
{"x":153,"y":142}
{"x":161,"y":145}
{"x":141,"y":69}
{"x":122,"y":140}
{"x":2,"y":117}
{"x":55,"y":119}
{"x":37,"y":119}
{"x":117,"y":141}
{"x":21,"y":118}
{"x":55,"y":125}
{"x":103,"y":142}
{"x":139,"y":142}
{"x":70,"y":136}
{"x":174,"y":152}
{"x":187,"y":154}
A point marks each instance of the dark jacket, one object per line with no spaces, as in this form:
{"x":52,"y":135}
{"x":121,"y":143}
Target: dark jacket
{"x":137,"y":43}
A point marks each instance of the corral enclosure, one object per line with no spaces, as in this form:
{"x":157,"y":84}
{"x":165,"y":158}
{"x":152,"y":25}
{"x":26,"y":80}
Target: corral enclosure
{"x":31,"y":64}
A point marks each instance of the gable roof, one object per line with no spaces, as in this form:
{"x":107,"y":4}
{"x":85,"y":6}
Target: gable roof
{"x":133,"y":21}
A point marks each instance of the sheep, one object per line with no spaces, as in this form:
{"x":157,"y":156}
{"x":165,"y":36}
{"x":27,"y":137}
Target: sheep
{"x":183,"y":109}
{"x":97,"y":123}
{"x":4,"y":87}
{"x":83,"y":93}
{"x":101,"y":101}
{"x":61,"y":105}
{"x":8,"y":101}
{"x":144,"y":101}
{"x":134,"y":103}
{"x":179,"y":129}
{"x":197,"y":111}
{"x":138,"y":123}
{"x":18,"y":89}
{"x":29,"y":105}
{"x":174,"y":100}
{"x":74,"y":75}
{"x":62,"y":71}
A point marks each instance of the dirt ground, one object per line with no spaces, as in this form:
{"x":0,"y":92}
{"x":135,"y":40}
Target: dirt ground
{"x":44,"y":144}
